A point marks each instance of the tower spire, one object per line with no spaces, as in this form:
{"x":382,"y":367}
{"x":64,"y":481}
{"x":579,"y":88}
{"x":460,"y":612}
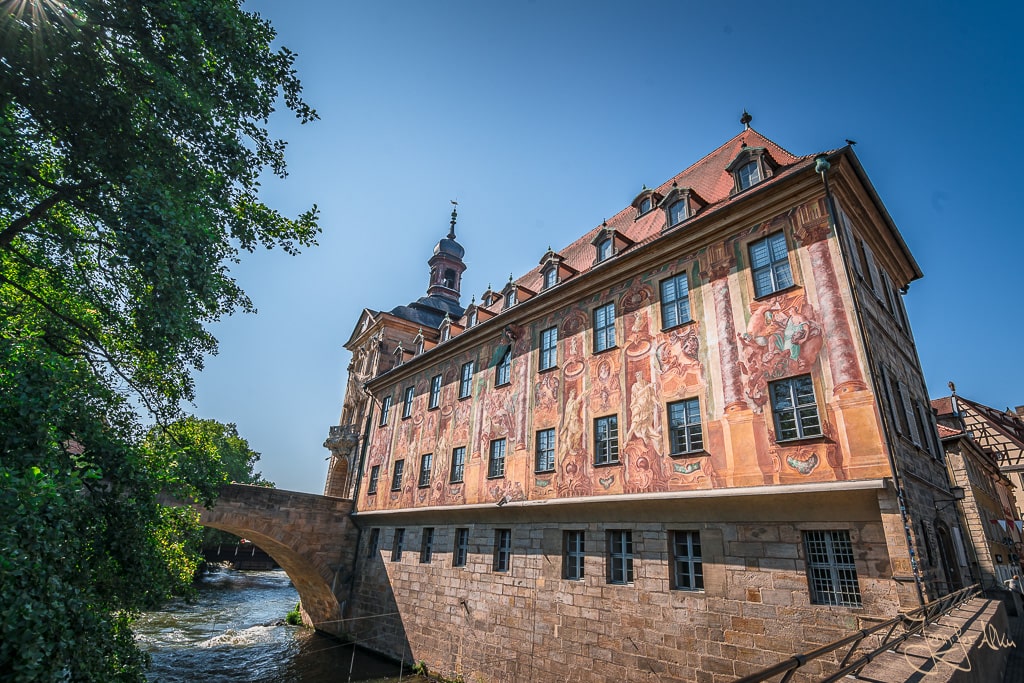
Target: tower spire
{"x":455,"y":215}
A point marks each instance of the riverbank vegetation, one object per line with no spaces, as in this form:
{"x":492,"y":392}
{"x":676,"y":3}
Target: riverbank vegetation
{"x":132,"y":138}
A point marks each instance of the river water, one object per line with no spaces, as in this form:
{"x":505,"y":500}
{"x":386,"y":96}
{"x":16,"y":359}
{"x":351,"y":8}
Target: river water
{"x":234,"y":631}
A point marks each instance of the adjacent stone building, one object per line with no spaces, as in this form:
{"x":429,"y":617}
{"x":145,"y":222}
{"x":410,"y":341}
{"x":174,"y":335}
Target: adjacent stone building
{"x":985,"y":456}
{"x":691,"y":443}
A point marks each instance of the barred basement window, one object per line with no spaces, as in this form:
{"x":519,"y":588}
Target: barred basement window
{"x":620,"y":556}
{"x":688,"y":567}
{"x":502,"y":549}
{"x":831,"y":573}
{"x":427,"y":545}
{"x":374,"y":544}
{"x":572,"y":564}
{"x":396,"y":546}
{"x":461,"y":550}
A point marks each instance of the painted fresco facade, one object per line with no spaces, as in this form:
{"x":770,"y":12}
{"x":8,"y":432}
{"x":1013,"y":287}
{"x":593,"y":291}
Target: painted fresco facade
{"x":695,"y":402}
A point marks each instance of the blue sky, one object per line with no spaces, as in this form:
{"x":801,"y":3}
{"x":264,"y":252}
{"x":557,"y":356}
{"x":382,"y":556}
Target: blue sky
{"x":543,"y":118}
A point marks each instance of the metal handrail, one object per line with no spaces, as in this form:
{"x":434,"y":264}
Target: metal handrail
{"x":913,"y":622}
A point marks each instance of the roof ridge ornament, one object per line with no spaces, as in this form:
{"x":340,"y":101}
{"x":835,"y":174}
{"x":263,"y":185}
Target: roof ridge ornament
{"x":455,"y":216}
{"x":746,"y":119}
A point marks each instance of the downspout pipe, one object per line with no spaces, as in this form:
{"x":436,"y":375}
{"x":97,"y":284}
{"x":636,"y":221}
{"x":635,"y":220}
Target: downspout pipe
{"x":822,"y":166}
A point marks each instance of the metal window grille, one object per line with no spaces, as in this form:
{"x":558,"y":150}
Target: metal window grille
{"x":688,"y":567}
{"x":604,"y":327}
{"x":606,"y":440}
{"x":427,"y":545}
{"x":684,"y":425}
{"x":496,"y":462}
{"x":620,"y":556}
{"x":794,"y":408}
{"x":573,"y":555}
{"x":769,"y":261}
{"x":396,"y":546}
{"x":461,"y":551}
{"x":545,"y":450}
{"x":374,"y":543}
{"x":831,"y":572}
{"x":458,"y":465}
{"x":502,"y":549}
{"x":675,"y":301}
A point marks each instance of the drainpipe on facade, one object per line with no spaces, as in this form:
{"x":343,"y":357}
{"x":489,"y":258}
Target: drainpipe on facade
{"x":821,"y":166}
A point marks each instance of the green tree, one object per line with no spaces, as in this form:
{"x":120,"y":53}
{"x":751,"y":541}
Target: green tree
{"x":132,"y":137}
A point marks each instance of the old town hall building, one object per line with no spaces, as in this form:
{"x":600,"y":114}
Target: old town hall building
{"x":688,"y":444}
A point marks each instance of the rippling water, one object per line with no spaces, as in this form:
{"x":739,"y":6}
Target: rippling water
{"x":229,"y":634}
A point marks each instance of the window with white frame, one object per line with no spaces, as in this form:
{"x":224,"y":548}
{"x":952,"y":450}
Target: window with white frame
{"x":620,"y":556}
{"x":687,"y":564}
{"x":458,"y":465}
{"x":604,"y":249}
{"x":684,"y":427}
{"x":831,"y":572}
{"x":572,"y":555}
{"x":548,"y":348}
{"x":675,"y":301}
{"x":374,"y":476}
{"x":435,"y":391}
{"x":769,"y":264}
{"x":396,"y":477}
{"x":385,"y":410}
{"x":410,"y":392}
{"x":466,"y":380}
{"x":426,"y":462}
{"x":677,"y":212}
{"x":604,"y":327}
{"x":496,"y":460}
{"x":545,"y":450}
{"x":606,"y":440}
{"x":748,"y":174}
{"x":503,"y":371}
{"x":550,"y":277}
{"x":794,"y":408}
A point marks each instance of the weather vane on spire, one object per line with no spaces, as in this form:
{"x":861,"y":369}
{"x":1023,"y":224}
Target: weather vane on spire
{"x":455,"y":215}
{"x":746,"y":119}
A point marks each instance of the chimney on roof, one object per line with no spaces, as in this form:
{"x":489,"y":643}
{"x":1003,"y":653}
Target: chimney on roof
{"x":746,"y":119}
{"x":1019,"y":410}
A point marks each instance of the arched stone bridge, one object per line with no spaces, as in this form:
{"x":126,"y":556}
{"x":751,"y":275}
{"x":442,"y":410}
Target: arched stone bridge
{"x":309,"y":535}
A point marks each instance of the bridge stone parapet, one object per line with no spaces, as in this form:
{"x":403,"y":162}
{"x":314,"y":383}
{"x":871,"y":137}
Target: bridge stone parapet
{"x":310,"y":536}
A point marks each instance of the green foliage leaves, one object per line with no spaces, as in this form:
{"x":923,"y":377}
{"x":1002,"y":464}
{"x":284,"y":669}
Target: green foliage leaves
{"x":132,"y":136}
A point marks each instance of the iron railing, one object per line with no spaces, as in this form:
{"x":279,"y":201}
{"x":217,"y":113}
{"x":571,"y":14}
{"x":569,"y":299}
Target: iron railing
{"x":913,"y":622}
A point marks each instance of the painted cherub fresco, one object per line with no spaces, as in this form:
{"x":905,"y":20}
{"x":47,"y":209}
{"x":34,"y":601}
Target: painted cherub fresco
{"x":677,"y":357}
{"x":644,"y":412}
{"x":782,"y":338}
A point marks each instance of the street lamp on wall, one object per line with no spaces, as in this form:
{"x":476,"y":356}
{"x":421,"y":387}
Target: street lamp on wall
{"x":958,"y":494}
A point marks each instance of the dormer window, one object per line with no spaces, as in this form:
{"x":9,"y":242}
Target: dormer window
{"x":446,"y":333}
{"x":677,"y":212}
{"x":604,"y":249}
{"x":472,"y":318}
{"x":511,"y":299}
{"x":645,"y":205}
{"x":645,"y":201}
{"x":550,"y":278}
{"x":751,"y":166}
{"x":749,"y":174}
{"x":608,"y":242}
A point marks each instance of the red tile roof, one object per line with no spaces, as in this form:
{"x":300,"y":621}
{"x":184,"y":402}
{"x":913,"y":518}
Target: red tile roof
{"x":708,"y":178}
{"x":943,"y":406}
{"x":946,"y":432}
